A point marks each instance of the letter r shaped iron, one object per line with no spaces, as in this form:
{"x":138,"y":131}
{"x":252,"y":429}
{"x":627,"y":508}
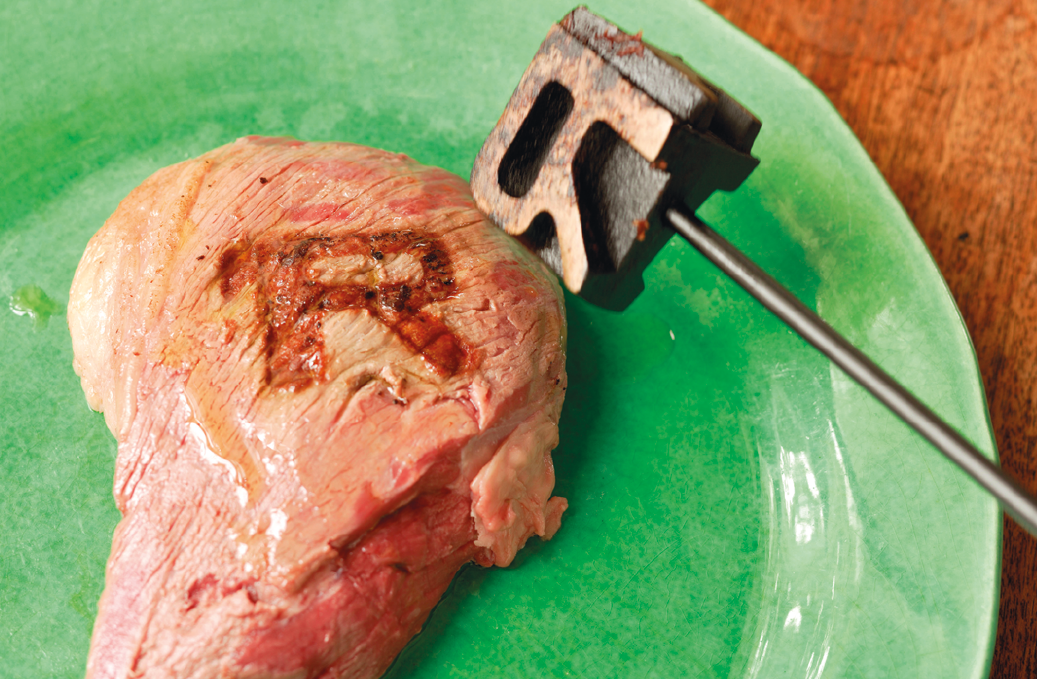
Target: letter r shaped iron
{"x":607,"y":148}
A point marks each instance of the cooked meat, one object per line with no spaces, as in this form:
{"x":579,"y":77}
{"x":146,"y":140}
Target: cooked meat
{"x":333,"y":382}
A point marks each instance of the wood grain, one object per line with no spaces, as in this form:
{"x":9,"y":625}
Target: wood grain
{"x":943,"y":95}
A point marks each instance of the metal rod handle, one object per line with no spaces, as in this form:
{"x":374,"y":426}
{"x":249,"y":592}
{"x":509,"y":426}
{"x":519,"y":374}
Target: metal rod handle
{"x":1014,"y":499}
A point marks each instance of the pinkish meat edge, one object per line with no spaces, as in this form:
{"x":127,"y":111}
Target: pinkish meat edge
{"x":361,"y":597}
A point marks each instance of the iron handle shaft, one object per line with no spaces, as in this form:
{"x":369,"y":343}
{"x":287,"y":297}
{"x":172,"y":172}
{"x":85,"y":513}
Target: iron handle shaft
{"x":1013,"y":498}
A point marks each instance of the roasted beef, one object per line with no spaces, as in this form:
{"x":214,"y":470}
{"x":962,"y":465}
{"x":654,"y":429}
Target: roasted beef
{"x":332,"y":382}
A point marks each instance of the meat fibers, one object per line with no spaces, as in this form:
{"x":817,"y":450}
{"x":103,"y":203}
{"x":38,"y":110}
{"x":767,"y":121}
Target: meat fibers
{"x":333,"y":382}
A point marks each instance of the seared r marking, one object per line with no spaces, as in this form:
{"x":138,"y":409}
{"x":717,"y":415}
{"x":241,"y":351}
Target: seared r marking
{"x":293,"y":299}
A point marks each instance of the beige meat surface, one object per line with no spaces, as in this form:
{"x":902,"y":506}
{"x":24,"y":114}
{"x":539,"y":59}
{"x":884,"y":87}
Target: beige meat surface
{"x":333,"y":382}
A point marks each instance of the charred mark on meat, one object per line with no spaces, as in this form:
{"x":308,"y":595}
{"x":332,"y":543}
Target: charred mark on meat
{"x":293,"y":299}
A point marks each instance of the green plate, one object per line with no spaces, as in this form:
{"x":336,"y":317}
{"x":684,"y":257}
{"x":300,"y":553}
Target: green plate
{"x":737,"y":507}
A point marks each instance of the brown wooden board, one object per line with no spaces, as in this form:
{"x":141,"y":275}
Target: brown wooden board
{"x":943,"y":95}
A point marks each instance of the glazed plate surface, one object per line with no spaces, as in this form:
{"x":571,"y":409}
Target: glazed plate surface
{"x":738,"y":508}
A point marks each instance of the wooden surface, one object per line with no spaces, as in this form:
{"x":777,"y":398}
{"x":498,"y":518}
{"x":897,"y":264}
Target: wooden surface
{"x":943,"y":95}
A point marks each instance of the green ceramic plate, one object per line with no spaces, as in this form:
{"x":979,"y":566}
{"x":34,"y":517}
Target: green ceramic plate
{"x":737,"y":507}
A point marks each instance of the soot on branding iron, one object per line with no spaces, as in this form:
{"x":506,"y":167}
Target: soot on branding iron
{"x":607,"y":147}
